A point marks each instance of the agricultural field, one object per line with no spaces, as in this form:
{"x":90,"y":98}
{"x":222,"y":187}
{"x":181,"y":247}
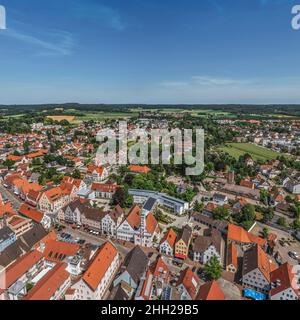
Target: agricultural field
{"x":61,"y":118}
{"x":258,"y":153}
{"x":96,"y":116}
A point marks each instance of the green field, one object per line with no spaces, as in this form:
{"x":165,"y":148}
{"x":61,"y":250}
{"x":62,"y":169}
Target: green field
{"x":258,"y":153}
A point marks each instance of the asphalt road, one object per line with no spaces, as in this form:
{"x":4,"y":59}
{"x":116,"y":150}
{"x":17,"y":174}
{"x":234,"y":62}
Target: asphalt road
{"x":95,"y":240}
{"x":15,"y":201}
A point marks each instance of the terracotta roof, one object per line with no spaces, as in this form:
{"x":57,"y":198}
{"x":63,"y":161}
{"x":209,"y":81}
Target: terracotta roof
{"x":297,"y":198}
{"x":57,"y":251}
{"x":282,"y":279}
{"x":14,"y":158}
{"x":160,"y":269}
{"x":190,"y":281}
{"x":170,"y":237}
{"x":139,"y":169}
{"x":6,"y":209}
{"x":91,"y":168}
{"x":147,"y":286}
{"x":238,"y":234}
{"x":21,"y":266}
{"x":31,"y":213}
{"x":210,"y":291}
{"x":151,"y":223}
{"x":232,"y":255}
{"x":254,"y":258}
{"x":211,"y":207}
{"x":134,"y":217}
{"x":104,"y":187}
{"x":49,"y":284}
{"x":247,"y":184}
{"x":35,"y":155}
{"x":100,"y":265}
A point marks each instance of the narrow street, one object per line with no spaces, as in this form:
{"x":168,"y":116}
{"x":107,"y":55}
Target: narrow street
{"x":15,"y":201}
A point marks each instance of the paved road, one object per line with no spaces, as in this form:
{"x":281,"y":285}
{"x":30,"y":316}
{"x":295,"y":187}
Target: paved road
{"x":15,"y":201}
{"x":95,"y":240}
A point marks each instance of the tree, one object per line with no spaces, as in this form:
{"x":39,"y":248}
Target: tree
{"x":76,"y":174}
{"x":213,"y":268}
{"x":122,"y":198}
{"x":282,"y":222}
{"x":268,"y":214}
{"x":265,"y":233}
{"x":264,"y":196}
{"x":221,"y":213}
{"x":8,"y":163}
{"x":26,"y":146}
{"x":198,"y":207}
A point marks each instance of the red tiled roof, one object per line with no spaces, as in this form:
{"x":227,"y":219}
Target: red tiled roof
{"x":31,"y":213}
{"x":170,"y":237}
{"x":49,"y":284}
{"x":134,"y":217}
{"x":139,"y":169}
{"x":100,"y":265}
{"x":57,"y":251}
{"x":210,"y":291}
{"x":190,"y":281}
{"x":282,"y":278}
{"x":238,"y":234}
{"x":21,"y":266}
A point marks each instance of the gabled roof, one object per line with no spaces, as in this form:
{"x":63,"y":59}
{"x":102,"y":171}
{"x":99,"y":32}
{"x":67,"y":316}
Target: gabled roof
{"x":139,"y":169}
{"x":134,"y":217}
{"x":282,"y":279}
{"x":49,"y":284}
{"x":104,"y":187}
{"x":256,"y":258}
{"x":239,"y":234}
{"x":136,"y":263}
{"x":210,"y":291}
{"x":21,"y":266}
{"x":57,"y":251}
{"x":160,"y":269}
{"x":151,"y":223}
{"x":97,"y":269}
{"x":232,"y":255}
{"x":170,"y":237}
{"x":31,"y":213}
{"x":190,"y":281}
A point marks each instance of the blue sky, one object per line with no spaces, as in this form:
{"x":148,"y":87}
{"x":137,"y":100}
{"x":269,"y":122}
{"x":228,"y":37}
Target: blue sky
{"x":149,"y":51}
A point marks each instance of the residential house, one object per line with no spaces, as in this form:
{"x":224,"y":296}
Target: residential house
{"x":104,"y":190}
{"x":52,"y":286}
{"x":188,"y":284}
{"x":18,"y":274}
{"x":220,"y":199}
{"x":168,"y":242}
{"x":98,"y":277}
{"x":232,"y":258}
{"x":111,"y":221}
{"x":210,"y":291}
{"x":133,"y":268}
{"x":97,"y":173}
{"x":283,"y":284}
{"x":183,"y":242}
{"x":35,"y":215}
{"x":206,"y":247}
{"x":256,"y":270}
{"x":7,"y":237}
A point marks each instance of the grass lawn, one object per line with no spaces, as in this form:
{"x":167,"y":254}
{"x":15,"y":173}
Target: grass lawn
{"x":258,"y":153}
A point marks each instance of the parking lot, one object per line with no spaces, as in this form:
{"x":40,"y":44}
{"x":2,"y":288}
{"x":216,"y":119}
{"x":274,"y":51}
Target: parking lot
{"x":286,"y":244}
